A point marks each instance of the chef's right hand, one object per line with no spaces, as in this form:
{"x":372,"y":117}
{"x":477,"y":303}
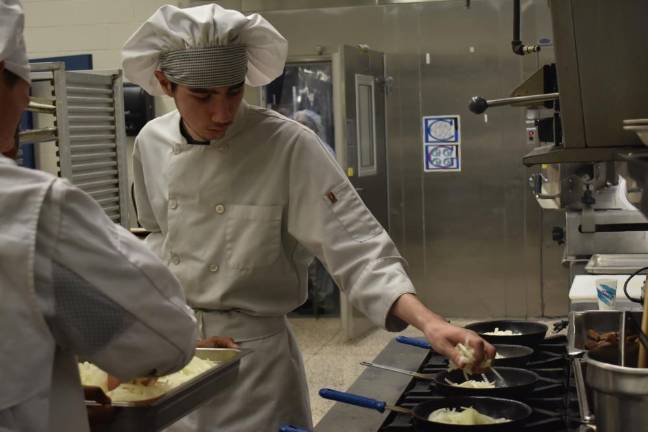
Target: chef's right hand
{"x":444,"y":337}
{"x":113,"y":382}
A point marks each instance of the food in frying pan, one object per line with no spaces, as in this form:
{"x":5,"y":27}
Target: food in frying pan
{"x":467,"y":416}
{"x":473,"y":383}
{"x":138,"y":390}
{"x":467,"y":355}
{"x":498,"y":332}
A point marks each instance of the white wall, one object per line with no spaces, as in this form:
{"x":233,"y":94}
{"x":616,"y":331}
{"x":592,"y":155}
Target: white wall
{"x":97,"y":27}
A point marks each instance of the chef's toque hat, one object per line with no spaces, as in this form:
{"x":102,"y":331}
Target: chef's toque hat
{"x":12,"y":42}
{"x":205,"y":46}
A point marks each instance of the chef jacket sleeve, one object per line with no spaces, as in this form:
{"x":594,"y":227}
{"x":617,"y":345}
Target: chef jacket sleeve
{"x":145,"y":214}
{"x":327,"y":216}
{"x":111,"y":300}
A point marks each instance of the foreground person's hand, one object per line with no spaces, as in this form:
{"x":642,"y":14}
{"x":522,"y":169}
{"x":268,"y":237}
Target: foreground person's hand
{"x":217,"y":342}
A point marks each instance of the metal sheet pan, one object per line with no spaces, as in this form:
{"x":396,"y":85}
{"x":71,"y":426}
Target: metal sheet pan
{"x":616,"y":263}
{"x":159,"y":413}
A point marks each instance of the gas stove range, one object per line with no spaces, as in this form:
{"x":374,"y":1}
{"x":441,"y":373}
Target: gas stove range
{"x":553,"y":400}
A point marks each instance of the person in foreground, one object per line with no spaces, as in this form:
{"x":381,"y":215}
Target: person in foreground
{"x":73,"y":285}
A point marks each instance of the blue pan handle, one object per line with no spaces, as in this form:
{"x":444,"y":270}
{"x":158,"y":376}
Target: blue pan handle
{"x":414,"y":342}
{"x":291,"y":428}
{"x":352,"y":399}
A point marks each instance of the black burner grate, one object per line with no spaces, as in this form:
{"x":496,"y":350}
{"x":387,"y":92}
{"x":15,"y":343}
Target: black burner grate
{"x":554,"y":401}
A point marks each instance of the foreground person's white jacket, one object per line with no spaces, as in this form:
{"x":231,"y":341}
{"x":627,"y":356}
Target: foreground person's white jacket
{"x":73,"y":283}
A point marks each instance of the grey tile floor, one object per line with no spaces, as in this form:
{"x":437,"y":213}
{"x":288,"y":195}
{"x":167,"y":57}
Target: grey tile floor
{"x":333,"y":362}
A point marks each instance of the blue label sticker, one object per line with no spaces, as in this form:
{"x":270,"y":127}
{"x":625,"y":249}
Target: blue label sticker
{"x":441,"y":130}
{"x":441,"y":143}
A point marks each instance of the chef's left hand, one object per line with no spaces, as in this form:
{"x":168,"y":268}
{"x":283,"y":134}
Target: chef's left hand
{"x":444,"y":337}
{"x":217,"y":342}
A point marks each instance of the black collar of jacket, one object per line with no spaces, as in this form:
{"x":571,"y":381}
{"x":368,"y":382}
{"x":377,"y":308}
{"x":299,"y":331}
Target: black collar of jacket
{"x":188,"y":137}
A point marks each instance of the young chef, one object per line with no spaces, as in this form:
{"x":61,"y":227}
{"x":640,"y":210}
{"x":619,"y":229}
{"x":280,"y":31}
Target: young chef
{"x":72,"y":283}
{"x":238,"y":200}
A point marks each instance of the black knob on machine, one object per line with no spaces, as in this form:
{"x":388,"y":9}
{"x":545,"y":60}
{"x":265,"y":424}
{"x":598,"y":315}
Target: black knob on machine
{"x":558,"y":235}
{"x":478,"y":104}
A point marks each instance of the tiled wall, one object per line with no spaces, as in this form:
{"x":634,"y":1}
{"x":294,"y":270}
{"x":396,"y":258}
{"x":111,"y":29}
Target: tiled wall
{"x":97,"y":27}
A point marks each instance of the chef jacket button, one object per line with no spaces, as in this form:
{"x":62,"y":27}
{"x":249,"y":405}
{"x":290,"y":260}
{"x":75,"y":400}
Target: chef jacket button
{"x":220,"y":208}
{"x":175,"y":259}
{"x":173,"y":203}
{"x":213,"y":268}
{"x":223,"y":148}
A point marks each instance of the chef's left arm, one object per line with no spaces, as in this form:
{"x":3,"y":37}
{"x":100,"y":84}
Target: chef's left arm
{"x":327,"y":216}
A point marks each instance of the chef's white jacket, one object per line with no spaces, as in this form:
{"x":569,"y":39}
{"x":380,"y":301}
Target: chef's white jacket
{"x":73,"y":283}
{"x":238,"y":221}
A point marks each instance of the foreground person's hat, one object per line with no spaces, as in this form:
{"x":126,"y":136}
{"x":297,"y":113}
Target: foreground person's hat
{"x":12,"y":43}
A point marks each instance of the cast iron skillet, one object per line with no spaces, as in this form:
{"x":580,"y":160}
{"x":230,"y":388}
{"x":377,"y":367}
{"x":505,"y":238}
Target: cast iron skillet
{"x":514,"y":355}
{"x":532,"y":333}
{"x":517,"y":383}
{"x":513,"y":410}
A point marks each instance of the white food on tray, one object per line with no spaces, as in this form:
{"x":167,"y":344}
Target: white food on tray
{"x":466,"y":416}
{"x":91,"y":375}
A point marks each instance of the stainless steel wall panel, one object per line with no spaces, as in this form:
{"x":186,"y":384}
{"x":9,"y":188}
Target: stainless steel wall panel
{"x":469,"y":229}
{"x":403,"y":112}
{"x":473,"y":239}
{"x":306,"y":30}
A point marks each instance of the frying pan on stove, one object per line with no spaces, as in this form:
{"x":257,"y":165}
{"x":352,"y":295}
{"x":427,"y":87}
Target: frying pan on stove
{"x":516,"y":412}
{"x":516,"y":383}
{"x":510,"y":382}
{"x":530,"y":333}
{"x":514,"y":355}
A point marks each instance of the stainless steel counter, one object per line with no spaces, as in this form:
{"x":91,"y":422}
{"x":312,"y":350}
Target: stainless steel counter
{"x":377,"y":384}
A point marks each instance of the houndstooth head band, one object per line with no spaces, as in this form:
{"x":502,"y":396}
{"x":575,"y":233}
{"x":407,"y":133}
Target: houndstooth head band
{"x":216,"y":66}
